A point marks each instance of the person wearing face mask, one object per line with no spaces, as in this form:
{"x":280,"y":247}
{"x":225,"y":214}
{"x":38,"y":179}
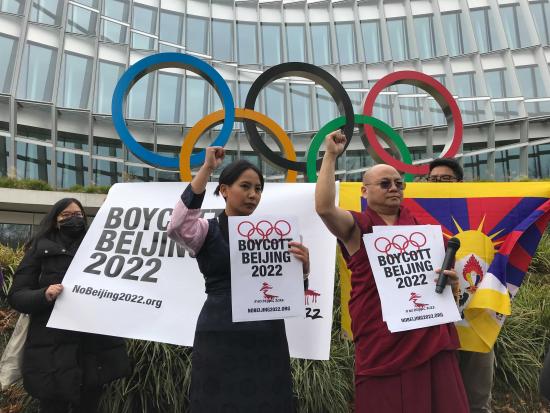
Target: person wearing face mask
{"x":64,"y":370}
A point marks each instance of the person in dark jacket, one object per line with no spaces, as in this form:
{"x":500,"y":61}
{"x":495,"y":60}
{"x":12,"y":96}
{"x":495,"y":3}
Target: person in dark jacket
{"x":65,"y":370}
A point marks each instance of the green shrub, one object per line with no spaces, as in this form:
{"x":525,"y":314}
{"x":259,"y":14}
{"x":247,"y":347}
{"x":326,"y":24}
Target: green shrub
{"x":34,"y":184}
{"x":541,"y":260}
{"x":524,"y":339}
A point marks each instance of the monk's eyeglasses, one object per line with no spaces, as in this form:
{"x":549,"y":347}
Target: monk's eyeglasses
{"x":386,"y":184}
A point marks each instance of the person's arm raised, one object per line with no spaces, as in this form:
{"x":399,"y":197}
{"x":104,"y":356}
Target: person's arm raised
{"x":338,"y":221}
{"x":212,"y":160}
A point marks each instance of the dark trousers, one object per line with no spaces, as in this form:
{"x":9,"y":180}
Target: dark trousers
{"x":89,"y":402}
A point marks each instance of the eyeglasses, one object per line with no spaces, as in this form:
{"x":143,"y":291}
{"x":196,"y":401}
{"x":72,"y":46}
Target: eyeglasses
{"x":68,"y":214}
{"x":386,"y":184}
{"x":441,"y":178}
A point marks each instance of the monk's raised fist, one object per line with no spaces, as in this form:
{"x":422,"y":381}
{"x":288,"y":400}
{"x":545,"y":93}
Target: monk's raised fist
{"x":336,"y":142}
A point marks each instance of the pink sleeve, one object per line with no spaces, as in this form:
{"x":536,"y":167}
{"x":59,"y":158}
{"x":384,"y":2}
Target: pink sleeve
{"x":187,"y":228}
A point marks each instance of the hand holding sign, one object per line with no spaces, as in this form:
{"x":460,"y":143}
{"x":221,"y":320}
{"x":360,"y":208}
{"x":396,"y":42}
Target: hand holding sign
{"x":301,"y":252}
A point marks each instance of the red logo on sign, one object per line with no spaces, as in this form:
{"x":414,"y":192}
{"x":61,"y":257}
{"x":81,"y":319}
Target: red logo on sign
{"x":311,"y":293}
{"x":400,"y":242}
{"x":265,"y":288}
{"x":414,"y":298}
{"x":264,"y":228}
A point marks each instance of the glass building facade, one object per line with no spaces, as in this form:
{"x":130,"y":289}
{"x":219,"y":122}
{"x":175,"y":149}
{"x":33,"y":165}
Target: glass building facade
{"x":62,"y":60}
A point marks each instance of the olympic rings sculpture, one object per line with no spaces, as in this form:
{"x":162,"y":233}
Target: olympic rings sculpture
{"x":400,"y":242}
{"x":373,"y":128}
{"x":263,"y":228}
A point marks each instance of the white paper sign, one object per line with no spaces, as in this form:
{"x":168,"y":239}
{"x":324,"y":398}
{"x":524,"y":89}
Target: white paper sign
{"x":403,"y":261}
{"x":129,"y":280}
{"x":266,"y":279}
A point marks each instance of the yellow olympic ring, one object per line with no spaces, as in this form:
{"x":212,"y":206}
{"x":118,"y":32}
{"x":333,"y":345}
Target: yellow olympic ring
{"x":215,"y":118}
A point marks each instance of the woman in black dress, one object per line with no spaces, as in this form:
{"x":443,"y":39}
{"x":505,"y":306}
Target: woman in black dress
{"x":239,"y":367}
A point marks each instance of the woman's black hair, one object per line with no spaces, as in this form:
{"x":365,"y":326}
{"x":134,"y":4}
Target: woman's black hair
{"x":234,"y":170}
{"x":48,"y":225}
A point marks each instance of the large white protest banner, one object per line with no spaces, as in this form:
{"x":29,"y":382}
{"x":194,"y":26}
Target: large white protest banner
{"x":403,"y":261}
{"x":128,"y":279}
{"x":266,"y":279}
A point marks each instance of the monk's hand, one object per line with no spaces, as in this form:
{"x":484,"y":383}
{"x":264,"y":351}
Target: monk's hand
{"x":335,"y":142}
{"x":301,"y":252}
{"x":452,"y":278}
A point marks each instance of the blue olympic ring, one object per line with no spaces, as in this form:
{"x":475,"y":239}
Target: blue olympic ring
{"x":161,"y":61}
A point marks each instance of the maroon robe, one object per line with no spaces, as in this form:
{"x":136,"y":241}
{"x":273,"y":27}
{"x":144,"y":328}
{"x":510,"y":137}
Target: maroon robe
{"x":409,"y":371}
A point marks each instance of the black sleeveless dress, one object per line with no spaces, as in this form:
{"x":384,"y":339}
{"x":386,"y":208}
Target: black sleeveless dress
{"x":239,"y":367}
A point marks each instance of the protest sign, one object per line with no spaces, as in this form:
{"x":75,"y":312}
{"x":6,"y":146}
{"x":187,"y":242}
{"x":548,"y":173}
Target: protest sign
{"x":266,"y":279}
{"x":129,"y":279}
{"x":403,"y":261}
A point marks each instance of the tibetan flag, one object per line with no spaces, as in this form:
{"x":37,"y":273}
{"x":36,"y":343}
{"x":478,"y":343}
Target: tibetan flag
{"x":499,"y":226}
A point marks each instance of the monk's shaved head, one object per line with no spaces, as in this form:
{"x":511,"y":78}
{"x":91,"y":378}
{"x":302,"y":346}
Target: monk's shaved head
{"x":378,"y":170}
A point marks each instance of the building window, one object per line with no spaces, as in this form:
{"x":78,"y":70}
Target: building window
{"x":275,"y":102}
{"x":72,"y":169}
{"x":399,"y":38}
{"x":106,"y":173}
{"x":484,"y":30}
{"x":144,"y":20}
{"x":326,"y":108}
{"x":301,"y":104}
{"x":540,"y":10}
{"x":320,"y":43}
{"x":12,"y":6}
{"x":539,"y":161}
{"x":76,"y":78}
{"x":271,"y":44}
{"x":296,"y":42}
{"x":372,"y":41}
{"x":472,"y":111}
{"x":475,"y":167}
{"x":197,"y":34}
{"x":15,"y":235}
{"x":37,"y":72}
{"x":111,"y":31}
{"x":498,"y":85}
{"x":531,"y":85}
{"x":47,"y":11}
{"x":514,"y":24}
{"x":196,"y":99}
{"x":247,"y":34}
{"x":222,"y":40}
{"x":457,"y":42}
{"x":425,"y":37}
{"x":107,"y":76}
{"x":33,"y":161}
{"x":345,"y":38}
{"x":8,"y":45}
{"x":169,"y":101}
{"x":411,"y":107}
{"x":141,"y":99}
{"x":383,"y":105}
{"x":81,"y":21}
{"x":507,"y":164}
{"x":170,"y":30}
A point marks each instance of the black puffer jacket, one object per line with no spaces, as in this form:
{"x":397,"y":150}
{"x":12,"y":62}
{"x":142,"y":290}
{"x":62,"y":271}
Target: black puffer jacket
{"x":56,"y":363}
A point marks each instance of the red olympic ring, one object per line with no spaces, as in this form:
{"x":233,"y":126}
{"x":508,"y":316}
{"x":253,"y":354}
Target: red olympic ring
{"x":263,"y":230}
{"x":399,"y":246}
{"x":441,"y":95}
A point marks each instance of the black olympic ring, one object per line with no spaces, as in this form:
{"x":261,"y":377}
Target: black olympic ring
{"x":400,"y":246}
{"x":307,"y":71}
{"x":262,"y":231}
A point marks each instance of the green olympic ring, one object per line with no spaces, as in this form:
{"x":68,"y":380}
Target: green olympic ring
{"x":384,"y":130}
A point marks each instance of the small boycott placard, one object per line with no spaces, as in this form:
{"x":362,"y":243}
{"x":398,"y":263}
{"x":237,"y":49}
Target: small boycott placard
{"x":403,"y":261}
{"x":266,"y":279}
